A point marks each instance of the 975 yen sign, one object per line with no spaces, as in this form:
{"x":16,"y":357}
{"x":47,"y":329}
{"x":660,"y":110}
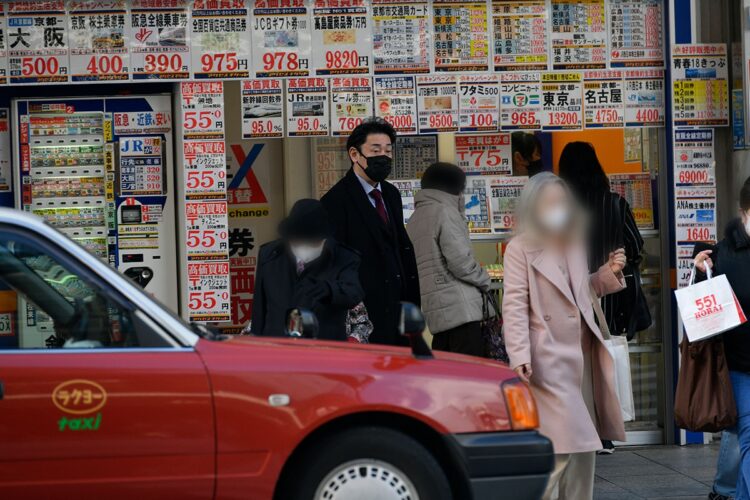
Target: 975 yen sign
{"x":205,"y":169}
{"x":206,"y":230}
{"x":209,"y":291}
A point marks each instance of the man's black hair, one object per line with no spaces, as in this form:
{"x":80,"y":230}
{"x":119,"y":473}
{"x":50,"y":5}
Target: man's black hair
{"x":369,"y":127}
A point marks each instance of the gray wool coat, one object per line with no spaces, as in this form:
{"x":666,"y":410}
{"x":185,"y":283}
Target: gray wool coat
{"x":450,"y":278}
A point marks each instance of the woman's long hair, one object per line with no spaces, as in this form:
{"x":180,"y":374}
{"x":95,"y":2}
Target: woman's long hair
{"x":580,"y":168}
{"x":527,"y":221}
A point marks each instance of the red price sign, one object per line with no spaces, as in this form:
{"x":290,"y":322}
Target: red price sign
{"x":649,"y":115}
{"x":206,"y":301}
{"x":341,"y":59}
{"x":563,"y":118}
{"x":280,"y":62}
{"x":104,"y":65}
{"x":204,"y":120}
{"x":524,"y":118}
{"x":205,"y":239}
{"x":693,"y":177}
{"x":260,"y":127}
{"x":607,"y":116}
{"x":348,"y":124}
{"x":441,"y":121}
{"x":220,"y":62}
{"x":32,"y":67}
{"x":481,"y":120}
{"x":307,"y":124}
{"x":163,"y":63}
{"x":205,"y":180}
{"x":400,"y":121}
{"x":698,"y":234}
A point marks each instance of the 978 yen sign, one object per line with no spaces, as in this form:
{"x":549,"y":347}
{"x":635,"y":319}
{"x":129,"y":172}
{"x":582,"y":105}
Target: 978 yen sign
{"x":208,"y":291}
{"x":206,"y":230}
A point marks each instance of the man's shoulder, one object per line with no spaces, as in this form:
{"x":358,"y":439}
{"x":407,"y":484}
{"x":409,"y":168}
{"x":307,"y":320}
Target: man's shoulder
{"x":336,"y":191}
{"x":345,"y":252}
{"x":271,"y":250}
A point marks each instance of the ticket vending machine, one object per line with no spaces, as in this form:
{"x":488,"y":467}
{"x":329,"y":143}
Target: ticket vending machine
{"x":101,"y":171}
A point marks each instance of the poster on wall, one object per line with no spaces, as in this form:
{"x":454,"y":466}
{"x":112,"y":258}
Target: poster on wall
{"x":203,"y":110}
{"x":636,"y":36}
{"x":3,"y":45}
{"x":520,"y":34}
{"x":579,"y":34}
{"x":505,"y":193}
{"x":636,"y":190}
{"x":206,"y":230}
{"x":330,"y":163}
{"x":220,"y":38}
{"x":561,"y":101}
{"x":5,"y":166}
{"x":98,"y":41}
{"x":603,"y":99}
{"x":351,"y":103}
{"x":38,"y":50}
{"x":478,"y":103}
{"x":488,"y":154}
{"x":700,"y":91}
{"x":396,"y":102}
{"x":342,"y":37}
{"x":644,"y":98}
{"x":262,"y":108}
{"x":209,"y":291}
{"x":521,"y":101}
{"x":141,"y":170}
{"x":437,"y":102}
{"x":205,"y":169}
{"x":159,"y":40}
{"x":401,"y":37}
{"x":477,"y":200}
{"x":281,"y":39}
{"x":694,"y":164}
{"x":413,"y":154}
{"x":461,"y":36}
{"x":407,"y":188}
{"x":307,"y":107}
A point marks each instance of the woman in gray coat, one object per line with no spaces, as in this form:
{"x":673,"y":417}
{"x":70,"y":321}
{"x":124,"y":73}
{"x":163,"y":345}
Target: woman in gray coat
{"x":451,"y":280}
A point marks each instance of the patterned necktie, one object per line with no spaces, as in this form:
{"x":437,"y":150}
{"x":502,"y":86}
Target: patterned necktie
{"x":379,"y":205}
{"x":300,"y":267}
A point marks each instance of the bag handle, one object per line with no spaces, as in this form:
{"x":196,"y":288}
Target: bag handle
{"x":709,"y":274}
{"x":603,"y":326}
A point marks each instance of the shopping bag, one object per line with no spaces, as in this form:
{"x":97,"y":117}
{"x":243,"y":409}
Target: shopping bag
{"x":708,"y":308}
{"x":618,"y":349}
{"x":492,"y":329}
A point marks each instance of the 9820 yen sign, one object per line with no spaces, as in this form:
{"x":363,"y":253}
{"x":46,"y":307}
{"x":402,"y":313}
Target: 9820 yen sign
{"x":342,"y":37}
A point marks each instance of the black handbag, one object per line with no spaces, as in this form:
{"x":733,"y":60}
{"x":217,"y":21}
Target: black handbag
{"x":492,"y":329}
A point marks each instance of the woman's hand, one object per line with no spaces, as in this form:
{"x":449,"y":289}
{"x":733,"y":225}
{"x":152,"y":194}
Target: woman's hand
{"x":703,"y":261}
{"x":524,"y":372}
{"x":617,"y":260}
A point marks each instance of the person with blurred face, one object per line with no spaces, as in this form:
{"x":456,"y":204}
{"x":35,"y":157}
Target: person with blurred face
{"x":368,"y":216}
{"x":305,"y":268}
{"x":552,"y":338}
{"x":527,"y":154}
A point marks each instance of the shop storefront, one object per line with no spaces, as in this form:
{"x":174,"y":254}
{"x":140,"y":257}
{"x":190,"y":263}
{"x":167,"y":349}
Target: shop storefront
{"x":169,"y":137}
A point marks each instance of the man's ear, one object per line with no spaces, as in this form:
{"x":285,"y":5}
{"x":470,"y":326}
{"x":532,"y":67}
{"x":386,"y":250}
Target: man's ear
{"x":353,"y":154}
{"x":518,"y":157}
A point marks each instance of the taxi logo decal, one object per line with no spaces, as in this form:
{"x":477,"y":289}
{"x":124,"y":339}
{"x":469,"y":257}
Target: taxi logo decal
{"x":79,"y":397}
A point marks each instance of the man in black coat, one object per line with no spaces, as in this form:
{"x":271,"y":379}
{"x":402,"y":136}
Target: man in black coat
{"x":368,"y":216}
{"x":306,"y":269}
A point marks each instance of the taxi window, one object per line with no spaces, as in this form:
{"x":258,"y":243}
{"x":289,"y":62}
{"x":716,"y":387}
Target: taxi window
{"x":46,"y":305}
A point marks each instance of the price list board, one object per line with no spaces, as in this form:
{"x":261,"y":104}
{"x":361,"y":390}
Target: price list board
{"x":98,"y":41}
{"x":562,"y":101}
{"x":159,"y":37}
{"x":521,"y":35}
{"x":401,"y":37}
{"x":330,"y":162}
{"x":220,"y":39}
{"x":437,"y":98}
{"x":603,"y":99}
{"x":141,"y":169}
{"x":477,"y":200}
{"x":281,"y":39}
{"x":351,"y":103}
{"x":262,"y":109}
{"x":478,"y":103}
{"x":396,"y":102}
{"x":461,"y":36}
{"x":3,"y":45}
{"x":521,"y":101}
{"x":407,"y":188}
{"x":636,"y":37}
{"x":205,"y":170}
{"x":700,"y":91}
{"x":488,"y":154}
{"x":208,"y":292}
{"x":636,"y":190}
{"x":579,"y":34}
{"x":413,"y":154}
{"x":504,"y":195}
{"x":307,"y":107}
{"x":644,"y":98}
{"x":342,"y":37}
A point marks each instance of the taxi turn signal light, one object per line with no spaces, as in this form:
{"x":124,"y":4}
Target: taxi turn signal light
{"x":521,"y":406}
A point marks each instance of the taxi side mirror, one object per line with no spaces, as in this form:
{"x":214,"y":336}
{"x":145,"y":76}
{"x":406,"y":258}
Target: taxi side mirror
{"x":302,"y":323}
{"x":412,"y":326}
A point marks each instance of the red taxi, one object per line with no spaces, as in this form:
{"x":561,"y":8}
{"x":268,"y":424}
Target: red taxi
{"x":108,"y":396}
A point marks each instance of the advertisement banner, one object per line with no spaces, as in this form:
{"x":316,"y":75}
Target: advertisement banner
{"x":351,"y":103}
{"x":342,"y":37}
{"x":437,"y":104}
{"x":5,"y":165}
{"x":644,"y":98}
{"x":206,"y":230}
{"x":208,"y":291}
{"x":521,"y":101}
{"x":159,"y":40}
{"x":521,"y":35}
{"x":700,"y":75}
{"x":561,"y":101}
{"x":98,"y":40}
{"x":281,"y":39}
{"x":396,"y":102}
{"x":488,"y":154}
{"x":330,"y":163}
{"x":636,"y":34}
{"x":461,"y":35}
{"x":262,"y":108}
{"x":694,"y":164}
{"x":413,"y":154}
{"x":603,"y":99}
{"x":220,"y":38}
{"x":203,"y":110}
{"x":636,"y":190}
{"x":401,"y":37}
{"x":205,"y":169}
{"x":407,"y":188}
{"x":478,"y":103}
{"x":38,"y":50}
{"x":141,"y":169}
{"x":505,"y":192}
{"x":477,"y":199}
{"x":579,"y":34}
{"x":307,"y":107}
{"x":3,"y":45}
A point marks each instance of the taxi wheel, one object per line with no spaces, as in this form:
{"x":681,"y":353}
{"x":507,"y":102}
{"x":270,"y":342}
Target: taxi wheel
{"x":371,"y":463}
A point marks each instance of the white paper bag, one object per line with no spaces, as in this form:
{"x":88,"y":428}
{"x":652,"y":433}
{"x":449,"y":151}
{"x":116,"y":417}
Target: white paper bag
{"x":708,"y":308}
{"x":618,"y":349}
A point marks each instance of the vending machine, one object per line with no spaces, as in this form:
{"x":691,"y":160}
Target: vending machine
{"x":101,"y":171}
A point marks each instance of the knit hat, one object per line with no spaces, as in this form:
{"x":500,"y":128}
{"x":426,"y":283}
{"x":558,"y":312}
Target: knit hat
{"x":308,"y":220}
{"x":445,"y":177}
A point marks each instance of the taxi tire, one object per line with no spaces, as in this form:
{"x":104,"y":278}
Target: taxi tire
{"x":379,"y":443}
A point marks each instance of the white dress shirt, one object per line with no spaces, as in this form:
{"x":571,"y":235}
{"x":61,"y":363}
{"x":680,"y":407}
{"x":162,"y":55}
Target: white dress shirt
{"x":369,"y":188}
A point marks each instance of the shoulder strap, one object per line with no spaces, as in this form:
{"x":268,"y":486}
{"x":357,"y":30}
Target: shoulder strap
{"x":603,"y":326}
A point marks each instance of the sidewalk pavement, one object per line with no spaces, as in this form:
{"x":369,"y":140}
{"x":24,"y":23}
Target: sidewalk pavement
{"x":663,"y":472}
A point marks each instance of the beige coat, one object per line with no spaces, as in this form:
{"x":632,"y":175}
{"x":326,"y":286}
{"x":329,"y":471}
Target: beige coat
{"x":544,"y":323}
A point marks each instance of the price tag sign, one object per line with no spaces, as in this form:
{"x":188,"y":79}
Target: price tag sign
{"x":159,"y":42}
{"x":696,"y":219}
{"x":220,"y":39}
{"x":636,"y":33}
{"x":521,"y":101}
{"x":37,"y":42}
{"x":603,"y":99}
{"x":700,"y":75}
{"x":202,"y":110}
{"x":505,"y":193}
{"x":437,"y":104}
{"x":205,"y":169}
{"x":209,"y":291}
{"x":561,"y":101}
{"x":141,"y":169}
{"x":307,"y":107}
{"x":521,"y":35}
{"x":262,"y":109}
{"x":644,"y":98}
{"x":579,"y":34}
{"x":206,"y":230}
{"x":401,"y":36}
{"x":281,"y":38}
{"x":396,"y":102}
{"x":351,"y":103}
{"x":478,"y":103}
{"x":477,"y":199}
{"x":3,"y":45}
{"x":342,"y":37}
{"x":98,"y":41}
{"x":462,"y":36}
{"x":484,"y":154}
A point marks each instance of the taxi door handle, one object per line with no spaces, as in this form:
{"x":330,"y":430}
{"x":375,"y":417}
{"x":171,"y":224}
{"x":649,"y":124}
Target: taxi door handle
{"x":2,"y":389}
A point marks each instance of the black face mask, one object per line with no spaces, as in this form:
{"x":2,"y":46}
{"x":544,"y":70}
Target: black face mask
{"x":378,"y":167}
{"x":535,"y":167}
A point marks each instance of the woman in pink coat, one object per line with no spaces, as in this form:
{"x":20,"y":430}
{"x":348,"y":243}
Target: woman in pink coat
{"x":552,"y":338}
